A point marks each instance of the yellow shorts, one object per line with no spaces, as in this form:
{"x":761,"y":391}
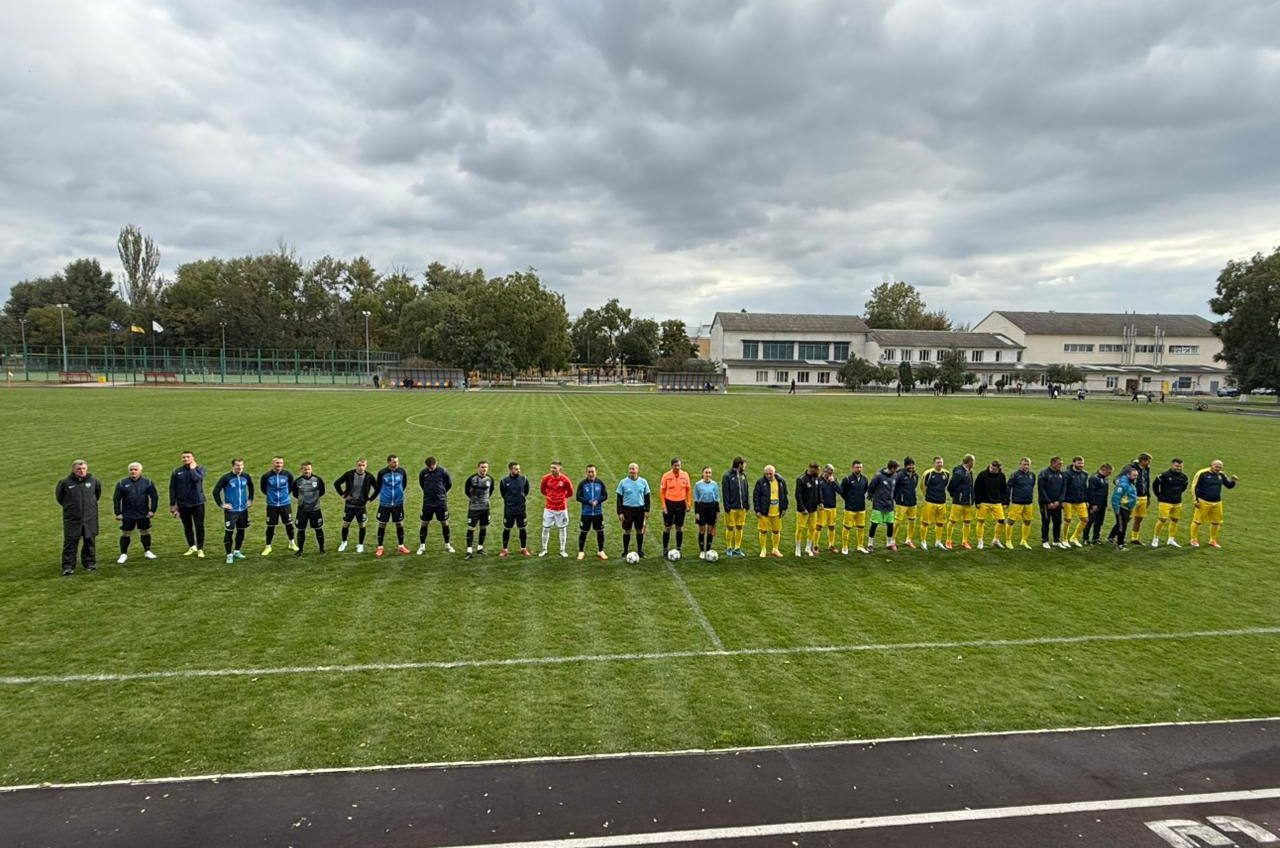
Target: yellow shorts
{"x":1140,"y":508}
{"x":933,"y":513}
{"x":826,"y":517}
{"x":987,"y":510}
{"x":1075,"y":510}
{"x":1209,"y":513}
{"x":1021,"y":512}
{"x":905,"y":513}
{"x":770,"y":523}
{"x":806,"y":521}
{"x":960,"y":512}
{"x":1170,"y":511}
{"x":736,"y":518}
{"x":855,"y":519}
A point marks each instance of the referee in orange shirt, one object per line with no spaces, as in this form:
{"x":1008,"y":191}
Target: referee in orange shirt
{"x":676,"y":492}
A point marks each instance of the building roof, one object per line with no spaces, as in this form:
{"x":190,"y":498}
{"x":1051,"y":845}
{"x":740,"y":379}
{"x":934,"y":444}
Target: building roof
{"x":1106,"y":323}
{"x":786,"y":322}
{"x":941,"y":339}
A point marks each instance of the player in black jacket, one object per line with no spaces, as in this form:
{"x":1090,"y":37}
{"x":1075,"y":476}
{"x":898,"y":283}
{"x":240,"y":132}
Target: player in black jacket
{"x":357,"y":488}
{"x":1169,"y":488}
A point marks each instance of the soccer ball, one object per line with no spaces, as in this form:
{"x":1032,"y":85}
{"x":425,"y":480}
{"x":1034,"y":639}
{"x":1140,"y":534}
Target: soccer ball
{"x":711,"y":556}
{"x":633,"y":558}
{"x":673,"y":555}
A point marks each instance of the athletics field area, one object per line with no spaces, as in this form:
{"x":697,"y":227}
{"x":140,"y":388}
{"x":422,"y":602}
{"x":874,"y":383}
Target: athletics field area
{"x":180,"y":666}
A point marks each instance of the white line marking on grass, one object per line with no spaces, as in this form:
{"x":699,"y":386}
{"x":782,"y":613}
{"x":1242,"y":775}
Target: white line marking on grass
{"x":697,"y":608}
{"x":709,"y":834}
{"x":684,"y":590}
{"x":623,"y":755}
{"x":356,"y":668}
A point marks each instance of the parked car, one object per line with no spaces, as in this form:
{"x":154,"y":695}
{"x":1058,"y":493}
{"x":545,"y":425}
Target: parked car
{"x":1229,"y":391}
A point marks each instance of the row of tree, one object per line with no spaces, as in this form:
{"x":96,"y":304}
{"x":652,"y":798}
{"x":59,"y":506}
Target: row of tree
{"x":950,"y":372}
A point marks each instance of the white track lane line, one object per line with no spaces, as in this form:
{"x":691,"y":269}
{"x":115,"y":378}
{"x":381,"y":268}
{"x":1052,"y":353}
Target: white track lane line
{"x":172,"y":674}
{"x":624,"y":755}
{"x":879,"y":822}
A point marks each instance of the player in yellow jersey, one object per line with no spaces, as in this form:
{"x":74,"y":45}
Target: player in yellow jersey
{"x":769,"y":500}
{"x":1207,"y":486}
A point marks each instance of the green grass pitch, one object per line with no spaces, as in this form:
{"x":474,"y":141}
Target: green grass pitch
{"x":178,"y":614}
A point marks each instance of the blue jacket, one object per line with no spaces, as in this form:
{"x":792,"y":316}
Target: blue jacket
{"x":1022,"y":487}
{"x":1097,"y":491}
{"x":935,"y":486}
{"x":592,"y":490}
{"x":828,"y":492}
{"x":276,"y":486}
{"x":906,"y":489}
{"x":1077,"y":483}
{"x":735,"y":490}
{"x":514,"y":491}
{"x":1125,"y":494}
{"x":880,"y":490}
{"x":236,"y":490}
{"x":1051,"y":486}
{"x":960,"y":487}
{"x":391,"y":486}
{"x":435,"y":486}
{"x":807,"y":499}
{"x":135,"y":498}
{"x":186,"y":486}
{"x":854,"y":491}
{"x":760,"y":496}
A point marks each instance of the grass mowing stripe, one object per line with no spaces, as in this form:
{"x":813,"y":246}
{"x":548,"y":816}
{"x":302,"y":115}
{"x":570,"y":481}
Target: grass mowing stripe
{"x":629,"y":657}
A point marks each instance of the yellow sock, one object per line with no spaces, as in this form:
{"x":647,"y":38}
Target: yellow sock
{"x":1160,"y":523}
{"x":764,"y":540}
{"x":1213,"y":532}
{"x":1195,"y":531}
{"x":777,"y":539}
{"x":949,"y":531}
{"x":964,"y":532}
{"x":1173,"y":528}
{"x":1008,"y":534}
{"x":844,"y":538}
{"x":1026,"y":531}
{"x":979,"y":530}
{"x":1077,"y":529}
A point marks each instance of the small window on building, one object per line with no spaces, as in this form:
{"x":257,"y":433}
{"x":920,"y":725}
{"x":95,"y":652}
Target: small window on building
{"x":1112,"y":382}
{"x":802,"y":376}
{"x":888,"y":355}
{"x":941,"y":355}
{"x":975,"y":356}
{"x":824,"y":376}
{"x":1019,"y":356}
{"x":1075,"y":347}
{"x":840,"y":351}
{"x":782,"y":376}
{"x":751,"y":350}
{"x":1184,"y":349}
{"x":925,"y":355}
{"x":998,"y":353}
{"x":762,"y":376}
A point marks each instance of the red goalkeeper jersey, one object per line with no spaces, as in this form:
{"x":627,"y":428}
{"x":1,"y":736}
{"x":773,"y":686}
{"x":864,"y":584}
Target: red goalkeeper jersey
{"x":557,"y":491}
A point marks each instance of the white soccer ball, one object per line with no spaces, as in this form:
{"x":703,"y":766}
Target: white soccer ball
{"x":673,"y":555}
{"x":712,"y":556}
{"x":633,"y":558}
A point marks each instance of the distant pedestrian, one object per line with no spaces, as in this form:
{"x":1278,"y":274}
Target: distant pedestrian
{"x":792,"y":390}
{"x":78,"y":494}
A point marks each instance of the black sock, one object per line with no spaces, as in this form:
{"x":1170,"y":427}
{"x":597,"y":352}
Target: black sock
{"x":239,"y":538}
{"x":506,"y":537}
{"x":346,"y":528}
{"x":666,"y":539}
{"x":871,"y":534}
{"x":360,"y":537}
{"x":483,"y":531}
{"x":679,"y":538}
{"x":582,"y":540}
{"x":319,"y":539}
{"x":226,"y":541}
{"x":422,"y":534}
{"x":600,"y":540}
{"x":626,"y":542}
{"x":470,"y":536}
{"x":301,"y":539}
{"x":124,"y":544}
{"x":888,"y":532}
{"x":444,"y":528}
{"x":382,"y":533}
{"x":146,"y":541}
{"x":271,"y":532}
{"x":288,"y":530}
{"x":640,"y":544}
{"x":400,"y":534}
{"x":524,"y":538}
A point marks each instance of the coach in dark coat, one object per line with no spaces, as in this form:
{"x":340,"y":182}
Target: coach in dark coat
{"x":78,"y":494}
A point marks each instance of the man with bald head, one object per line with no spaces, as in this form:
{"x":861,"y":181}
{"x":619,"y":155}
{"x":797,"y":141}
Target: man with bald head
{"x":769,"y":499}
{"x":1207,"y":487}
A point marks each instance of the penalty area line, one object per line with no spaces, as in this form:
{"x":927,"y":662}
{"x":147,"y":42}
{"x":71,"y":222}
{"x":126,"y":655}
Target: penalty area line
{"x":652,"y":656}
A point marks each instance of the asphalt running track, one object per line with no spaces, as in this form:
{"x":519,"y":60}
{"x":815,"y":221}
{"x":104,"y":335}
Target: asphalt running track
{"x":1181,"y":785}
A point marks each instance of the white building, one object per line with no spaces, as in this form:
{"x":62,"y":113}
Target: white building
{"x":772,"y":349}
{"x":1119,"y":352}
{"x":988,"y":355}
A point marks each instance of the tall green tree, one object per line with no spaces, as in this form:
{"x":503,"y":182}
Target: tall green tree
{"x":1248,"y":296}
{"x":951,"y":369}
{"x":639,"y":344}
{"x":857,"y":372}
{"x":141,"y":259}
{"x":1063,"y":374}
{"x":899,"y":306}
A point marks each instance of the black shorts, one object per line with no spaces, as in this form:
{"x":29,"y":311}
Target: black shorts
{"x":439,"y":513}
{"x":477,"y":518}
{"x":521,"y":521}
{"x":706,"y":514}
{"x":127,"y":524}
{"x":674,"y":514}
{"x":310,"y":518}
{"x":276,"y":514}
{"x":633,"y":517}
{"x":592,"y":522}
{"x":355,"y":512}
{"x":233,"y":520}
{"x":391,"y":513}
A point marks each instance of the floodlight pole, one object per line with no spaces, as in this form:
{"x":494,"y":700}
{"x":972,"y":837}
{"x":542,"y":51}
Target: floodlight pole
{"x":223,"y":326}
{"x":26,"y":366}
{"x":368,"y":370}
{"x":62,"y":322}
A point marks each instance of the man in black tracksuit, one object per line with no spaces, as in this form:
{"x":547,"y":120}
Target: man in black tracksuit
{"x":735,"y":493}
{"x":1075,"y":501}
{"x":880,"y":491}
{"x":808,"y":499}
{"x":1097,"y":500}
{"x":78,"y":494}
{"x":134,"y":502}
{"x":514,"y":490}
{"x":436,"y":483}
{"x":186,"y":501}
{"x":357,"y":488}
{"x":1051,"y":487}
{"x":1169,"y":488}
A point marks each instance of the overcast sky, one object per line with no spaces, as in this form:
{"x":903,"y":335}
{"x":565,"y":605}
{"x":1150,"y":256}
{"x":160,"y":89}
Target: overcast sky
{"x":685,"y":157}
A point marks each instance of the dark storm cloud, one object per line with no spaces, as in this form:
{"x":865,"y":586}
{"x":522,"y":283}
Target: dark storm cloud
{"x":689,"y":156}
